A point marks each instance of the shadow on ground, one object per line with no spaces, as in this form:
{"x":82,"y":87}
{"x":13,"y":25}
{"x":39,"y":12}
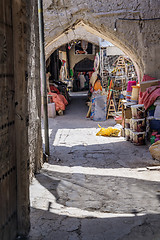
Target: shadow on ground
{"x":73,"y":206}
{"x":91,"y":188}
{"x":50,"y":226}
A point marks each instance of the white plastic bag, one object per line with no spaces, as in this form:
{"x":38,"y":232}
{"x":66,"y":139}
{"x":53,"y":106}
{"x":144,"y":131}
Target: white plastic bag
{"x":100,"y":108}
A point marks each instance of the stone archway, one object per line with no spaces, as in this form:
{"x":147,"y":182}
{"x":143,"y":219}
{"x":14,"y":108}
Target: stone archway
{"x":84,"y":32}
{"x":132,"y":26}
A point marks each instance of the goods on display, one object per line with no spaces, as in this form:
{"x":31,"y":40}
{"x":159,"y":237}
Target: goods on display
{"x":153,"y":137}
{"x":138,"y":125}
{"x":139,"y":138}
{"x":127,"y":134}
{"x":157,"y":137}
{"x":135,"y":126}
{"x":131,"y":123}
{"x":127,"y":123}
{"x":138,"y":111}
{"x":135,"y":93}
{"x":129,"y":85}
{"x":129,"y":90}
{"x":100,"y":108}
{"x":131,"y":135}
{"x":155,"y":150}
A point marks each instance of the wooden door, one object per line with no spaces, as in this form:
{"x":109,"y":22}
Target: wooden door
{"x":8,"y":171}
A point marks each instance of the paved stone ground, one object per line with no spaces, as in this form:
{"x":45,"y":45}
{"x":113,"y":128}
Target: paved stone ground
{"x":93,"y":187}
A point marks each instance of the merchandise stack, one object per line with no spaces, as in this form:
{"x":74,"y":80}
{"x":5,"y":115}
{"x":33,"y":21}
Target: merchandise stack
{"x":129,"y":90}
{"x":153,"y":122}
{"x":135,"y":126}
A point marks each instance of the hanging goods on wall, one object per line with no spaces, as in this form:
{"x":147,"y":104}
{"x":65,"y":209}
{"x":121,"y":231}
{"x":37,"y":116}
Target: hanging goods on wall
{"x":96,"y":62}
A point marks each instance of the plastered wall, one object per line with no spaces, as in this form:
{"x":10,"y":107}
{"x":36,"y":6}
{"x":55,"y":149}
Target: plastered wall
{"x":75,"y":58}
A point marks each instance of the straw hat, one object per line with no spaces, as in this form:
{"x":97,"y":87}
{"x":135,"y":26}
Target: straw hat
{"x":93,"y":78}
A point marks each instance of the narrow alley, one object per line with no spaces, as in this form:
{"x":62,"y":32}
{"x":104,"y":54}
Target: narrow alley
{"x":70,"y":69}
{"x":93,"y":187}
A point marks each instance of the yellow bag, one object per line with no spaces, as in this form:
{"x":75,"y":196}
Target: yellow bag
{"x":155,"y":150}
{"x":109,"y":132}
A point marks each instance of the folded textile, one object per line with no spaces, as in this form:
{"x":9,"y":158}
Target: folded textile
{"x":59,"y":100}
{"x":150,"y":96}
{"x":54,"y":89}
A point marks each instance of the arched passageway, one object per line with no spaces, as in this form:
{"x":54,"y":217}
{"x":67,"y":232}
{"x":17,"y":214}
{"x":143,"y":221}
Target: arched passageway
{"x":137,"y":33}
{"x":132,"y":27}
{"x":84,"y":32}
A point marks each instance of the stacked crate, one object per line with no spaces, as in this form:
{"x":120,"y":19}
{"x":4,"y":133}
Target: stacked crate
{"x":135,"y":128}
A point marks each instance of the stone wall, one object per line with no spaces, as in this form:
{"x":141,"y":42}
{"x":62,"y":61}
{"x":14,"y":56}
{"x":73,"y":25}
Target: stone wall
{"x":138,"y":39}
{"x":27,"y":104}
{"x":20,"y":117}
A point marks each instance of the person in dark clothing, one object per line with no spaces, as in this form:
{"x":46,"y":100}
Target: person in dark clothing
{"x":76,"y":83}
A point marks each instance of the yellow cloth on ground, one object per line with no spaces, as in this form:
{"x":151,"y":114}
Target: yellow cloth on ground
{"x":108,"y":132}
